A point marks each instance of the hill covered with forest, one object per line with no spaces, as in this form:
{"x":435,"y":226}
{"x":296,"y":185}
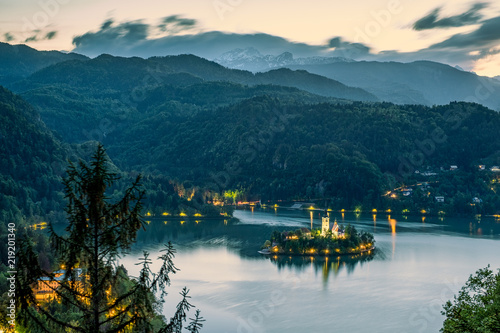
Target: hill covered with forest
{"x":198,"y":131}
{"x":20,"y":61}
{"x":30,"y":161}
{"x":33,"y":164}
{"x":352,"y":153}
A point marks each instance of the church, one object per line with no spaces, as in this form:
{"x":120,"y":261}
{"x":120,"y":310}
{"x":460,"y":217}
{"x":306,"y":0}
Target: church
{"x":325,"y":226}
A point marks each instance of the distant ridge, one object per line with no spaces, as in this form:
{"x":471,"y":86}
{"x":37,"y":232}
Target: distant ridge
{"x":19,"y":61}
{"x":110,"y":72}
{"x":419,"y":82}
{"x":252,"y":60}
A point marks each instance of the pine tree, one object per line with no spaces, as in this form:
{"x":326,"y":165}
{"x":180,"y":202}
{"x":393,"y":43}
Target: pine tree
{"x":95,"y":294}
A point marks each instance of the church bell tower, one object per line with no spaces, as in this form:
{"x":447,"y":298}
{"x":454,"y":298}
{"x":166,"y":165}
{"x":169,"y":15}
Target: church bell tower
{"x":325,"y":225}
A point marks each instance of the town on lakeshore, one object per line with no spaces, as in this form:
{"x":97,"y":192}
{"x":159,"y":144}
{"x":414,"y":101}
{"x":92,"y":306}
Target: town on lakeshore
{"x":338,"y":240}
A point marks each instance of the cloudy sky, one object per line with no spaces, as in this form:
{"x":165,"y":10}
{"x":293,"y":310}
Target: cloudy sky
{"x":463,"y":33}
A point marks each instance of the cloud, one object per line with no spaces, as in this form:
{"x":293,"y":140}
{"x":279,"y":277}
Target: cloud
{"x":50,"y":35}
{"x":463,"y":49}
{"x":432,"y":21}
{"x":38,"y":35}
{"x":335,"y":42}
{"x":106,"y":24}
{"x":123,"y":34}
{"x":347,"y":49}
{"x":33,"y":38}
{"x":8,"y":37}
{"x":175,"y":24}
{"x":145,"y":40}
{"x":127,"y":38}
{"x":138,"y":38}
{"x":487,"y":34}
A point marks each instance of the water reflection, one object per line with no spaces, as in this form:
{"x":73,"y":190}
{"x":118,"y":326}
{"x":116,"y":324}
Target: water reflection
{"x":241,"y":238}
{"x":327,"y":266}
{"x":162,"y":231}
{"x":232,"y":282}
{"x":392,"y":223}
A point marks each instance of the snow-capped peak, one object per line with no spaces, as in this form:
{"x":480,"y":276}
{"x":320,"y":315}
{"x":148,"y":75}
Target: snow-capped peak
{"x":251,"y":59}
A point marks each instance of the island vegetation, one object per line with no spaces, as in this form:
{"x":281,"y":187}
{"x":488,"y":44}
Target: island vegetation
{"x":303,"y":242}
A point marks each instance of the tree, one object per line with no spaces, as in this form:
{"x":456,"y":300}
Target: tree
{"x":232,"y":195}
{"x":477,"y":306}
{"x":97,"y":294}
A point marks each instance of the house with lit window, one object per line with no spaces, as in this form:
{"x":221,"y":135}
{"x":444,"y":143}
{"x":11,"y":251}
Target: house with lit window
{"x":407,"y":191}
{"x":477,"y":200}
{"x":46,"y":286}
{"x":439,"y":199}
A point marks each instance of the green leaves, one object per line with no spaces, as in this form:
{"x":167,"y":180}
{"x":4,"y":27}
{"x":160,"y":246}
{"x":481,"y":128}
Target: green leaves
{"x":476,"y":309}
{"x":196,"y":323}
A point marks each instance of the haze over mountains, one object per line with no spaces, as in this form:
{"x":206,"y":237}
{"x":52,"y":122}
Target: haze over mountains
{"x":419,"y":82}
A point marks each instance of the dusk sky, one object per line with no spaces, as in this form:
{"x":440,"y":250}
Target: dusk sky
{"x":457,"y":32}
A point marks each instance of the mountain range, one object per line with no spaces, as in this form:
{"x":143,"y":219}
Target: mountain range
{"x":196,"y":129}
{"x":419,"y":82}
{"x":252,"y":60}
{"x":19,"y":61}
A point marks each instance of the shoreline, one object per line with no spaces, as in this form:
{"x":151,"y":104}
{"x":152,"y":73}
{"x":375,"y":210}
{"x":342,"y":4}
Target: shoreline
{"x":333,"y":254}
{"x":380,"y":211}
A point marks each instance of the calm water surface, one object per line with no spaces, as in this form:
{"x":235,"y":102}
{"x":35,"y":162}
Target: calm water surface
{"x":418,"y":265}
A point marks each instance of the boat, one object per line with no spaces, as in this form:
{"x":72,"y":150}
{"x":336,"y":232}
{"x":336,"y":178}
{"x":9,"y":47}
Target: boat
{"x":264,"y":251}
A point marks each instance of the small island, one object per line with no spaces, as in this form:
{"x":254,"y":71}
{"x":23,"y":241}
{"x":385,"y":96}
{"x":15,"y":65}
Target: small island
{"x":339,"y":240}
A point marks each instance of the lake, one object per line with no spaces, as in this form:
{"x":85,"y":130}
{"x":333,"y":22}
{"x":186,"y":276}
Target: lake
{"x":418,"y":265}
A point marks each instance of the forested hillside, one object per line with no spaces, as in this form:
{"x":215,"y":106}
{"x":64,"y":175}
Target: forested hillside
{"x":30,"y":162}
{"x":351,"y":152}
{"x":112,"y":87}
{"x":198,"y":131}
{"x":33,"y":163}
{"x":20,"y":61}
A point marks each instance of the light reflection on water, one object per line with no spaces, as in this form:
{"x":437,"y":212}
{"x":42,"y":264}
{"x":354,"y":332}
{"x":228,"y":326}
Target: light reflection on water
{"x":418,"y":265}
